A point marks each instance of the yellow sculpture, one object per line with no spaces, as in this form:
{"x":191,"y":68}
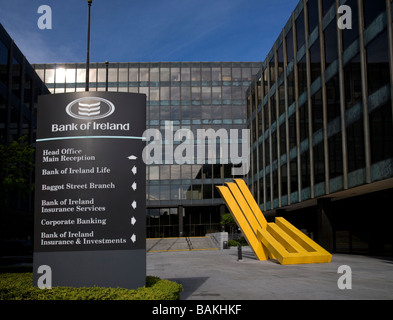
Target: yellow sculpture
{"x":279,"y":240}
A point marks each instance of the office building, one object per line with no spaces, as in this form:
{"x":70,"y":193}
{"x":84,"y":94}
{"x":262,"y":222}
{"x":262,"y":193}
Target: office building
{"x":320,"y":115}
{"x":20,"y":87}
{"x":181,"y":199}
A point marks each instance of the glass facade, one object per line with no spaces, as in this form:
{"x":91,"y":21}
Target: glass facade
{"x":181,"y":198}
{"x":20,"y":87}
{"x":323,"y":110}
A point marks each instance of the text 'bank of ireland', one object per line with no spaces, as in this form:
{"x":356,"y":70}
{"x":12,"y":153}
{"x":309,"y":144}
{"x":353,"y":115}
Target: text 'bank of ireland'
{"x":90,"y":189}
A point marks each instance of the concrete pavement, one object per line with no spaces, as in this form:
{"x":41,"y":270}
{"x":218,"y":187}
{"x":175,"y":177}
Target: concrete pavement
{"x":217,"y":275}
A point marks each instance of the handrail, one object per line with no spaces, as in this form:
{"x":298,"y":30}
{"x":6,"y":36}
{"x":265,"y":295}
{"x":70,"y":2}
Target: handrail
{"x":189,"y":243}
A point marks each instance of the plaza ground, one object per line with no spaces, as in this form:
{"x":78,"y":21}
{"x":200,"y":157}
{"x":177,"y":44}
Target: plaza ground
{"x":218,"y":275}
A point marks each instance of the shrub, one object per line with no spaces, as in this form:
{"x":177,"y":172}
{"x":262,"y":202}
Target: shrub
{"x":19,"y":286}
{"x":233,"y":243}
{"x":242,"y":241}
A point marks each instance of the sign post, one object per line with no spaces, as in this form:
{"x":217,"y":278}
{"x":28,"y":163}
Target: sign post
{"x":90,"y":198}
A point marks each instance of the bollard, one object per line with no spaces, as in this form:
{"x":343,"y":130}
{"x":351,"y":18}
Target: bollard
{"x":239,"y":253}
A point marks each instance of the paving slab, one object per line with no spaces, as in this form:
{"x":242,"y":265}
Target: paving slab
{"x":218,"y":275}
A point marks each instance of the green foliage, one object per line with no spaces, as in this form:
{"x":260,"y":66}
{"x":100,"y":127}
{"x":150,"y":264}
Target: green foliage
{"x":242,"y":241}
{"x":19,"y":286}
{"x":233,"y":243}
{"x":227,"y":220}
{"x":16,"y":168}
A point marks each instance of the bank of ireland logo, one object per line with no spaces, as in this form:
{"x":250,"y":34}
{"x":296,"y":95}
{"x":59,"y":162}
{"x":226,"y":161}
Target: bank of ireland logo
{"x":90,"y":108}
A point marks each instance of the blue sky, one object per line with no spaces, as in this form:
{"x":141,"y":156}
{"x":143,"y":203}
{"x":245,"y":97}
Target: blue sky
{"x":148,"y":30}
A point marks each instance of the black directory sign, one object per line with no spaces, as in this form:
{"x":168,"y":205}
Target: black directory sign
{"x":90,"y":194}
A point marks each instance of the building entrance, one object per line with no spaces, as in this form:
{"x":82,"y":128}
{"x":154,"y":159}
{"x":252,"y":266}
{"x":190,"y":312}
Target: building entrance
{"x":183,"y":221}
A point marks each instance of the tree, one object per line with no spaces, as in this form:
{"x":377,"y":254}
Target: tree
{"x":228,"y":221}
{"x":16,"y":169}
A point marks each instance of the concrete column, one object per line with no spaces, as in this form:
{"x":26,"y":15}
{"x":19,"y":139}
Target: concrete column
{"x":366,"y":122}
{"x":181,"y":227}
{"x":324,"y":232}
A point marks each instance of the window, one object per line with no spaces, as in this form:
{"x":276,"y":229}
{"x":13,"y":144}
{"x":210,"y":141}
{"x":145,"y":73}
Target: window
{"x":112,"y":75}
{"x":196,"y":93}
{"x":272,"y":72}
{"x":186,"y":93}
{"x":317,"y":111}
{"x":291,"y":88}
{"x":154,"y":172}
{"x":319,"y":163}
{"x":381,"y":133}
{"x":216,"y":93}
{"x":154,"y":94}
{"x":350,"y":35}
{"x":185,"y":74}
{"x":353,"y":82}
{"x":312,"y":15}
{"x":327,"y":4}
{"x":226,"y":74}
{"x":144,"y":74}
{"x":304,"y":122}
{"x":175,"y":112}
{"x":284,"y":180}
{"x":206,"y":95}
{"x":355,"y":136}
{"x":302,"y":75}
{"x":378,"y":73}
{"x":226,"y":93}
{"x":294,"y":175}
{"x":133,"y":75}
{"x":196,"y":74}
{"x":175,"y":93}
{"x":333,"y":98}
{"x":50,"y":76}
{"x":216,"y":74}
{"x":300,"y":36}
{"x":70,"y":75}
{"x":236,"y":74}
{"x":372,"y":9}
{"x":60,"y":75}
{"x":280,"y":58}
{"x":315,"y":57}
{"x":305,"y":169}
{"x":206,"y":74}
{"x":101,"y":75}
{"x":331,"y":46}
{"x":281,"y":106}
{"x":123,"y":75}
{"x":164,"y":93}
{"x":289,"y":42}
{"x":283,"y":139}
{"x":4,"y":62}
{"x":335,"y":156}
{"x":80,"y":76}
{"x":154,"y":74}
{"x":175,"y":74}
{"x":273,"y":113}
{"x":164,"y":74}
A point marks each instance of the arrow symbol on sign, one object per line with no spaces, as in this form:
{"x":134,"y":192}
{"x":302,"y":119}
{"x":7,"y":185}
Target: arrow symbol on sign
{"x":134,"y":186}
{"x":132,"y":157}
{"x":134,"y":204}
{"x":133,"y":238}
{"x":133,"y":221}
{"x":134,"y":170}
